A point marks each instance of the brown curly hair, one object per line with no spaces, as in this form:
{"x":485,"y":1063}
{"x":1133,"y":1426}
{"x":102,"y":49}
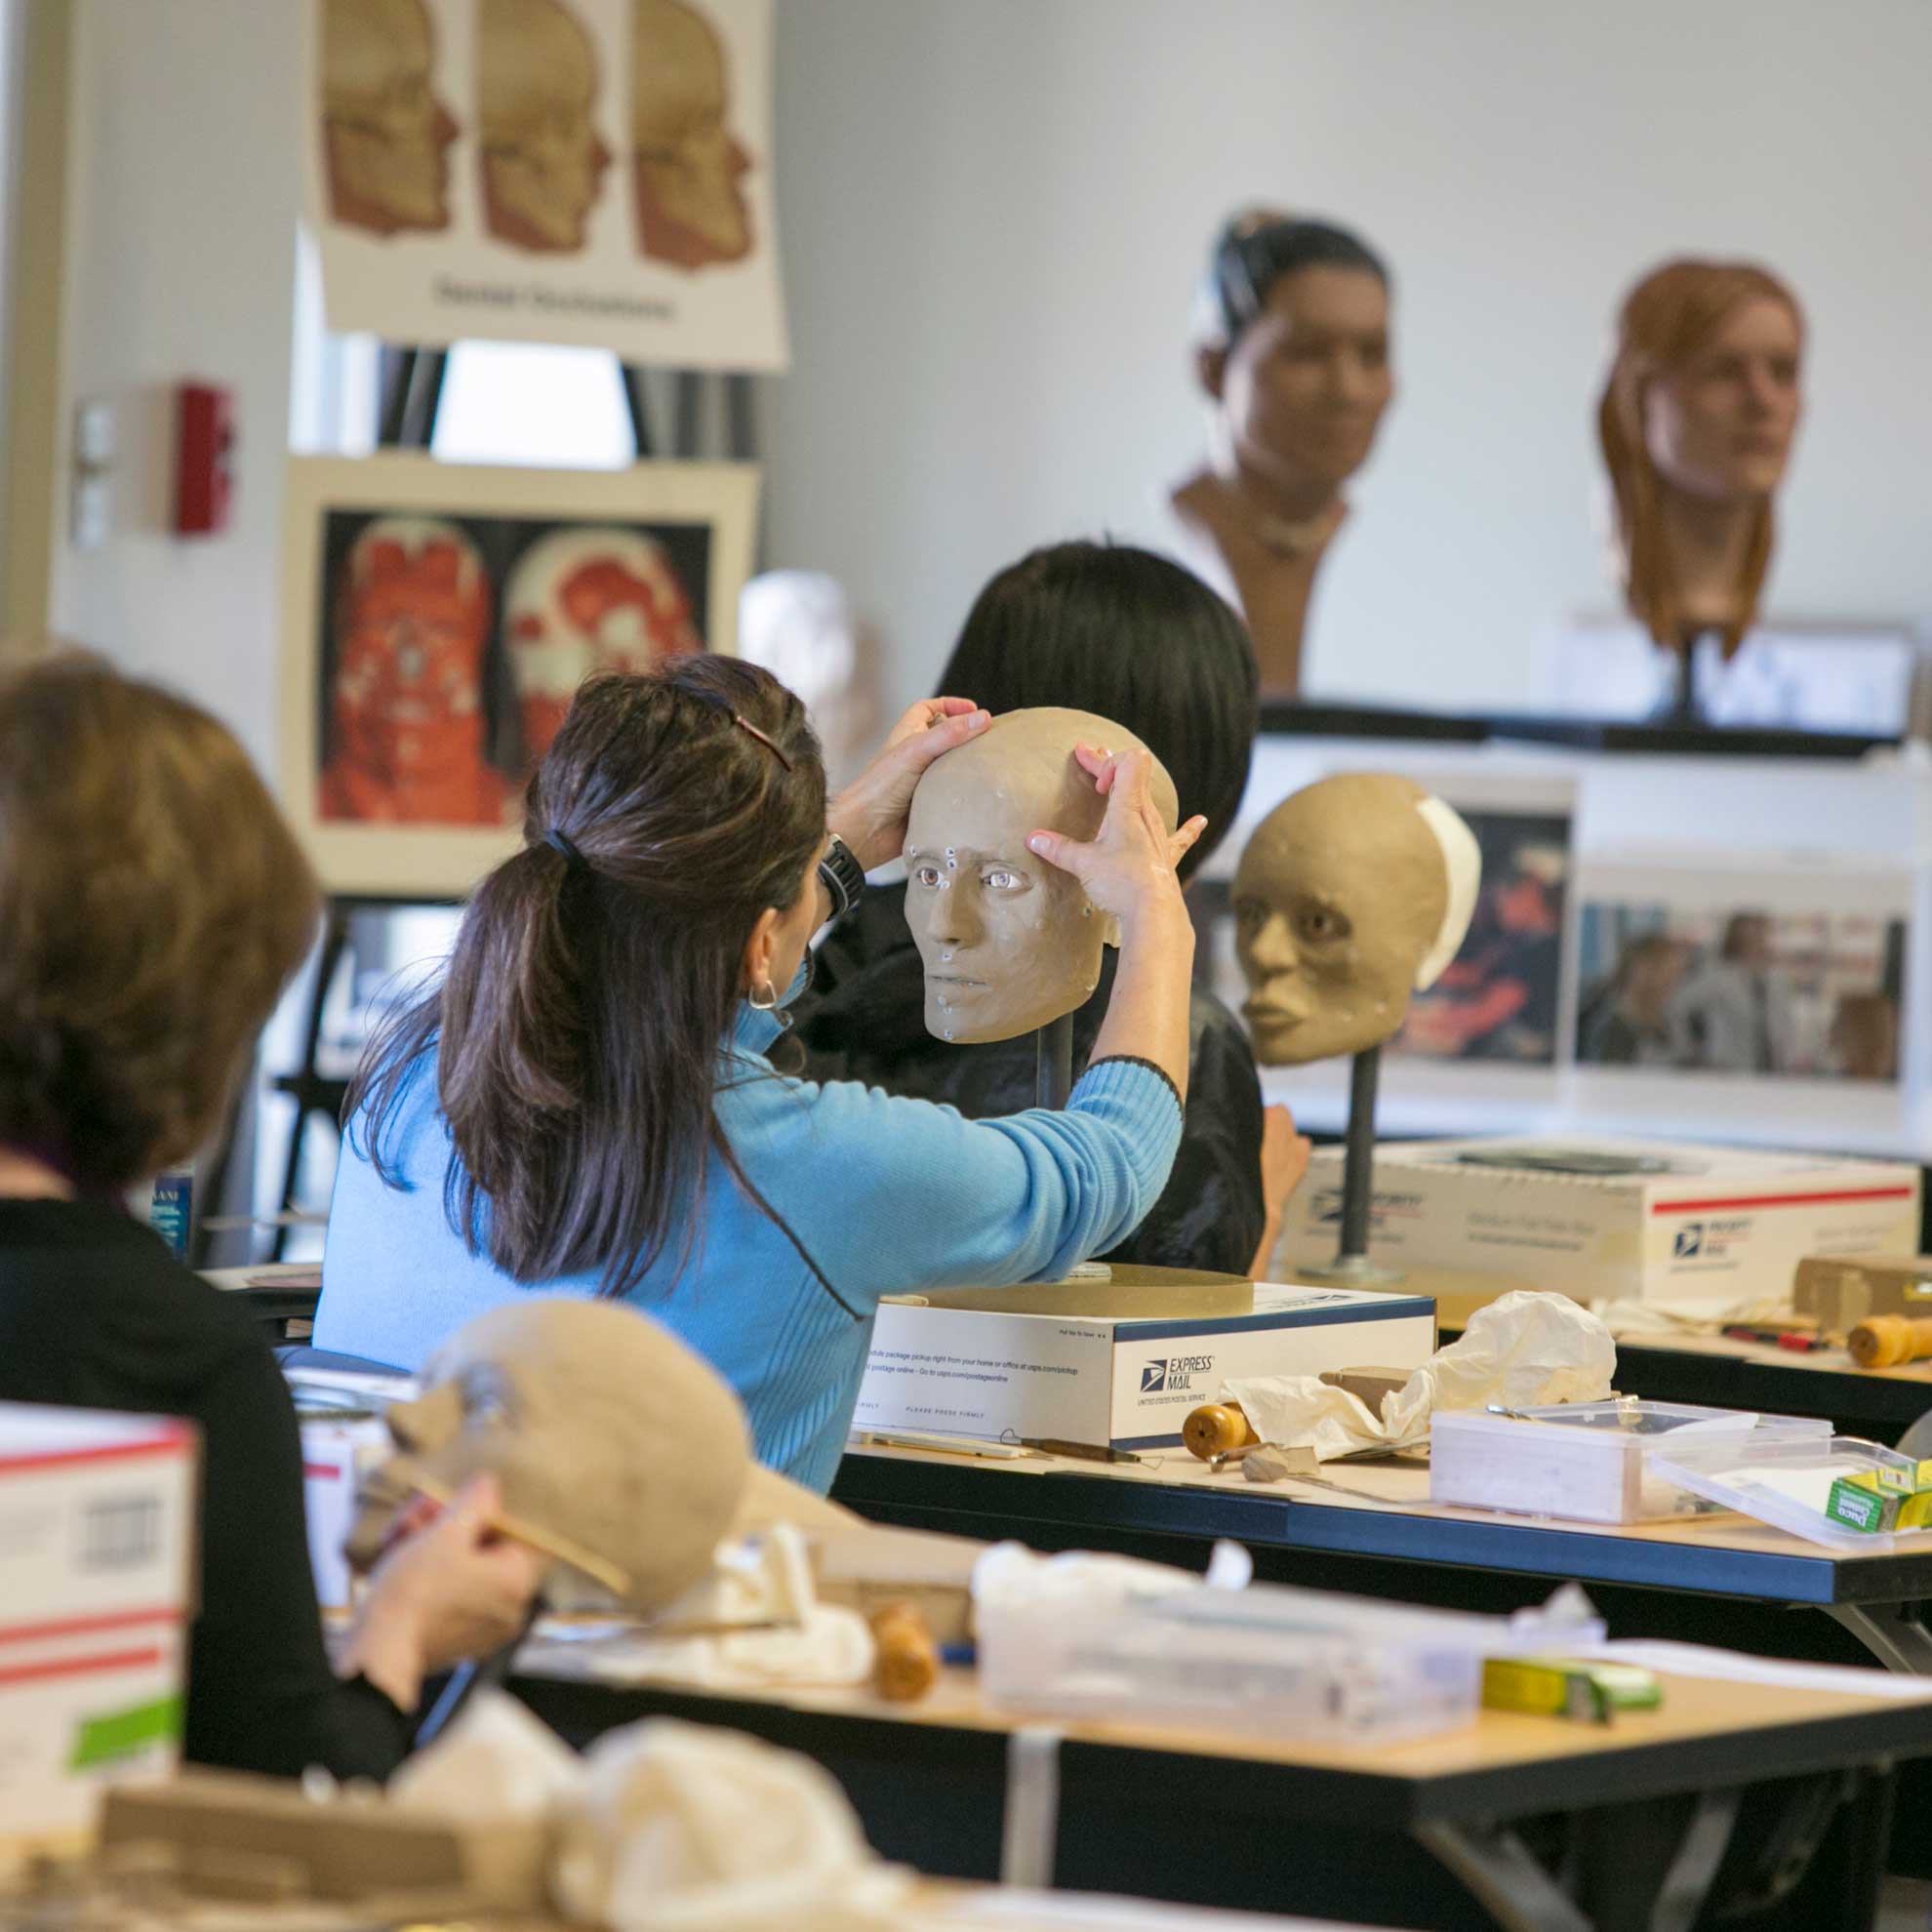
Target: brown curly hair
{"x":152,"y":906}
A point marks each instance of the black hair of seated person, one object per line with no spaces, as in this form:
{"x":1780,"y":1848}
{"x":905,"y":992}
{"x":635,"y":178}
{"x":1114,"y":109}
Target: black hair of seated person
{"x":1128,"y":635}
{"x":1254,"y":251}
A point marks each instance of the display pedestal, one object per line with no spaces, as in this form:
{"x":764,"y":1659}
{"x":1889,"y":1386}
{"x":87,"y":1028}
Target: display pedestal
{"x":1351,"y":1267}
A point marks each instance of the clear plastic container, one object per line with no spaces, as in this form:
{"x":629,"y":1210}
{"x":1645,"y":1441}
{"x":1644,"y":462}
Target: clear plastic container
{"x":1788,"y":1482}
{"x":1588,"y":1462}
{"x":1266,"y":1661}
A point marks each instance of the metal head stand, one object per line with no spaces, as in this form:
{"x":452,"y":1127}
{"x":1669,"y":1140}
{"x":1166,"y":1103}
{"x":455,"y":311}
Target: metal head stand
{"x":1052,"y":1063}
{"x":1351,"y":1267}
{"x":473,"y":1674}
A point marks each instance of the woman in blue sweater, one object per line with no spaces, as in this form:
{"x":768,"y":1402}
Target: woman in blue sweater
{"x":586,"y":1105}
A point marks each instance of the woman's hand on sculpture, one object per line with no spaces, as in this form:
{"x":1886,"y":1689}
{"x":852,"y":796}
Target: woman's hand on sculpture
{"x":451,"y":1589}
{"x":869,"y":814}
{"x":1128,"y":866}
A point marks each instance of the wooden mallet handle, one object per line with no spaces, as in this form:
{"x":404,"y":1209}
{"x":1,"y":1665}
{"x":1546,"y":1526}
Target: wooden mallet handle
{"x":1885,"y":1340}
{"x":907,"y":1664}
{"x":1216,"y":1428}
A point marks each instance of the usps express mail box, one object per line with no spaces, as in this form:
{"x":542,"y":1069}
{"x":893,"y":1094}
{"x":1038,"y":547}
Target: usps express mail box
{"x":1694,"y":1227}
{"x":97,"y":1552}
{"x":1127,"y":1382}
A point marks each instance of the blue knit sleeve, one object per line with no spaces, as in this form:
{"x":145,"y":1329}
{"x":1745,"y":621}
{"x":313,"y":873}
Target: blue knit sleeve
{"x":890,"y":1195}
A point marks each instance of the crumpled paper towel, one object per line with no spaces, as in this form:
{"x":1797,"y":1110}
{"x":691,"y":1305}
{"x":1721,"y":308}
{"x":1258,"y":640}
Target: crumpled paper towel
{"x":1010,"y":1576}
{"x":685,"y":1828}
{"x":756,"y":1622}
{"x":496,"y":1760}
{"x":1526,"y":1349}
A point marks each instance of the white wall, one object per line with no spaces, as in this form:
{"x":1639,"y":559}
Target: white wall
{"x":180,"y":248}
{"x":994,"y":212}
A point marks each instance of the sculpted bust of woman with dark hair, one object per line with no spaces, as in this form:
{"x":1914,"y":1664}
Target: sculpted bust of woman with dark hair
{"x":1116,"y":630}
{"x":1292,"y":351}
{"x":588,"y":1105}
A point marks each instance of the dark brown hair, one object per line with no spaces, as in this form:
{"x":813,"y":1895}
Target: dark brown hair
{"x":577,"y":1028}
{"x":152,"y":906}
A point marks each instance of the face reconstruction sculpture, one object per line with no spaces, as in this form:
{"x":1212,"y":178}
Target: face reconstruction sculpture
{"x":581,"y":601}
{"x":601,"y":1429}
{"x":385,"y":134}
{"x":1696,"y":425}
{"x":536,"y":89}
{"x":686,"y":166}
{"x":1008,"y":940}
{"x":1351,"y":894}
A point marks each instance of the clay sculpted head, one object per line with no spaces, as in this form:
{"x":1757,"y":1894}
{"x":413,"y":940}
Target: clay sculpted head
{"x":600,"y":1428}
{"x":1352,"y":893}
{"x":1008,"y":940}
{"x":1700,"y":407}
{"x":537,"y":92}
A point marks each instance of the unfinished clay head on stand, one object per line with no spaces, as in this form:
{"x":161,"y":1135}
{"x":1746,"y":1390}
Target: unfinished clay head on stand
{"x":1008,"y":940}
{"x":1351,"y":894}
{"x":605,"y":1433}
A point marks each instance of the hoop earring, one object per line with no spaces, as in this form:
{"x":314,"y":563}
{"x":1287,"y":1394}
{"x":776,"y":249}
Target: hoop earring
{"x":769,"y":1004}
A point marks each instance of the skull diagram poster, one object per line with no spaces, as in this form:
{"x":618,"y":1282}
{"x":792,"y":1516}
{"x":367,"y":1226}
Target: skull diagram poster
{"x":587,"y":172}
{"x":439,"y":620}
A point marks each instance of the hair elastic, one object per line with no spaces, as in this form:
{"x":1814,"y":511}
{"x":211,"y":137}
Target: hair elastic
{"x":566,"y":849}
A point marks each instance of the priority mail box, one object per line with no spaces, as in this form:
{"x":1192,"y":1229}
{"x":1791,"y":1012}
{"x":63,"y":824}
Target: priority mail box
{"x":97,"y":1551}
{"x":1608,"y":1220}
{"x":1127,"y":1383}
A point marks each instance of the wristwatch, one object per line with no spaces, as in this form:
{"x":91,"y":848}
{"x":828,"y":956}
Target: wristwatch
{"x":844,"y":876}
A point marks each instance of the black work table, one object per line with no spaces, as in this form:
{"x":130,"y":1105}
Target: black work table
{"x":1459,"y":1831}
{"x":1716,"y":1579}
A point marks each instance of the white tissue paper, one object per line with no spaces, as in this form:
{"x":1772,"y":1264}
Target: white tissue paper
{"x":682,"y":1828}
{"x":1523,"y":1350}
{"x":755,"y":1623}
{"x":496,"y":1760}
{"x":1010,"y":1576}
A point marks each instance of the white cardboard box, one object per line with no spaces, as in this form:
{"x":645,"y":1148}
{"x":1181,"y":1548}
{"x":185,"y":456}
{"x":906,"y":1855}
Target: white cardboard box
{"x":1127,"y":1382}
{"x":1715,"y":1227}
{"x":96,"y":1551}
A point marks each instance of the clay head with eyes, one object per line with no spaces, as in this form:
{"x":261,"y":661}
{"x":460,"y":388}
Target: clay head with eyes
{"x":1008,"y":940}
{"x":1351,"y":894}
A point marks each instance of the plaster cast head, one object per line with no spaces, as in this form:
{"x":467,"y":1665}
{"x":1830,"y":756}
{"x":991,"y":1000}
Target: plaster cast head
{"x":686,"y":164}
{"x":1291,"y":346}
{"x":586,"y":600}
{"x":535,"y":94}
{"x":385,"y":134}
{"x":1351,"y":894}
{"x":1702,"y":402}
{"x":600,"y":1428}
{"x":1008,"y":940}
{"x":411,"y":616}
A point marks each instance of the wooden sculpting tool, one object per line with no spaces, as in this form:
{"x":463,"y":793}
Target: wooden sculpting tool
{"x":1087,"y":1452}
{"x":1885,"y":1340}
{"x":547,"y":1543}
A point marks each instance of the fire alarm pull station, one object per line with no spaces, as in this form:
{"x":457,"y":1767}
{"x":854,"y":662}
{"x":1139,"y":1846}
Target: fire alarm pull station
{"x":204,"y":460}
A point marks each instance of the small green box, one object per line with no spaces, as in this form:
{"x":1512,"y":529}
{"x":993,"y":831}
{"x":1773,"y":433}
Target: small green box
{"x":1859,"y":1507}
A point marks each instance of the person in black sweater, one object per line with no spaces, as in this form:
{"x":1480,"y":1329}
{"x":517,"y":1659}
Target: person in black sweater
{"x":1131,"y":637}
{"x":152,"y":904}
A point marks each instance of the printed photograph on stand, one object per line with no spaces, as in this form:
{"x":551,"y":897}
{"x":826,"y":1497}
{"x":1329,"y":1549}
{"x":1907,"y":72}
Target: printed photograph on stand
{"x":438,"y":622}
{"x":1742,"y":989}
